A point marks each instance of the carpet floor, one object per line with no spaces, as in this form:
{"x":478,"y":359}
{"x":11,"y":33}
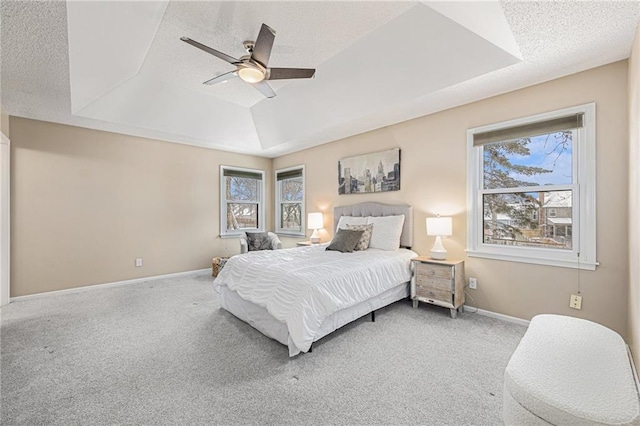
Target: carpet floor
{"x":163,"y":352}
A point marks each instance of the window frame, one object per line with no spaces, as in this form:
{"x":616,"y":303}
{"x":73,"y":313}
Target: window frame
{"x":278,"y":202}
{"x":224,"y":232}
{"x":583,"y":254}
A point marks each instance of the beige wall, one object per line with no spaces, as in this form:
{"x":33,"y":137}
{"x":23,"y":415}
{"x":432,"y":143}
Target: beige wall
{"x":634,"y":200}
{"x":434,"y":181}
{"x":4,"y":121}
{"x":86,"y":203}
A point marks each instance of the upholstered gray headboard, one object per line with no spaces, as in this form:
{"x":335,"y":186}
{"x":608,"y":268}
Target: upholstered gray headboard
{"x":379,"y":209}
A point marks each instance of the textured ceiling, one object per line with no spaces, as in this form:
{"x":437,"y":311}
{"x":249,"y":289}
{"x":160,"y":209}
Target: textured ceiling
{"x":120,"y":66}
{"x":306,"y":36}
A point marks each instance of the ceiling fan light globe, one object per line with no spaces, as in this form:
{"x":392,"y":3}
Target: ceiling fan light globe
{"x":251,"y":75}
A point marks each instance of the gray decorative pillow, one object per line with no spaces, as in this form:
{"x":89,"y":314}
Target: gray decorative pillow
{"x":363,"y":244}
{"x":258,"y":241}
{"x":345,"y":240}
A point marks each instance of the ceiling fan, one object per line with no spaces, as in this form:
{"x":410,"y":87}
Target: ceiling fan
{"x":253,"y":68}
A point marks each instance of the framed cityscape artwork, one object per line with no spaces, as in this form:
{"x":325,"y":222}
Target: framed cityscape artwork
{"x":375,"y":172}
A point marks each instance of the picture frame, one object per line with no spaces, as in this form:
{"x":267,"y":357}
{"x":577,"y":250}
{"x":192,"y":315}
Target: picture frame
{"x":368,"y":173}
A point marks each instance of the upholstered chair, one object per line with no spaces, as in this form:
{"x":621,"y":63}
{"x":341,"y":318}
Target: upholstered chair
{"x":275,"y":243}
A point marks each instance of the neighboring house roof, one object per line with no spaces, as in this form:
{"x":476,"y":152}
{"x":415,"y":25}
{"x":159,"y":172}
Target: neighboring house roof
{"x":500,"y":217}
{"x":557,"y":199}
{"x":560,"y":220}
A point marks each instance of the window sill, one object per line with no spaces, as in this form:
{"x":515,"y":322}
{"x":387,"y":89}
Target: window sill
{"x":562,"y":263}
{"x":223,"y":236}
{"x":291,"y":234}
{"x":238,"y":234}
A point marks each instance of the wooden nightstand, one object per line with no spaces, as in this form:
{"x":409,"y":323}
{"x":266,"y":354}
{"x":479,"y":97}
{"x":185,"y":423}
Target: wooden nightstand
{"x":303,"y":243}
{"x":440,"y":282}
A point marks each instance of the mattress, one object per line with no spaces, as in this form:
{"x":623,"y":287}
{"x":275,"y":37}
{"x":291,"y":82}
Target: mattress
{"x":302,"y":287}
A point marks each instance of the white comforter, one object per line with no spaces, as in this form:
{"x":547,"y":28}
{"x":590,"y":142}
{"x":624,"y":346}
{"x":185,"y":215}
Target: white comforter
{"x":303,"y":286}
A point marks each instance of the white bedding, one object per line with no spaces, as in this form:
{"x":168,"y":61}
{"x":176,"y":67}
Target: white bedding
{"x":303,"y":286}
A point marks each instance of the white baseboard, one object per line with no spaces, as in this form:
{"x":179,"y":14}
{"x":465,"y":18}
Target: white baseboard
{"x":113,"y":284}
{"x":472,"y":309}
{"x":496,"y":315}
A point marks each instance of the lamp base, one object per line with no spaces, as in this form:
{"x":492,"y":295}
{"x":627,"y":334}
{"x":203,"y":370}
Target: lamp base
{"x":315,"y":237}
{"x":438,"y":252}
{"x":438,"y":255}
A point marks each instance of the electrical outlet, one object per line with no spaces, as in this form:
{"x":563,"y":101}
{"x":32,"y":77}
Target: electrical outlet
{"x":138,"y":262}
{"x":473,"y":283}
{"x":575,"y":302}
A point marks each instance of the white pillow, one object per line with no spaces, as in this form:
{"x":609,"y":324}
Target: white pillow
{"x":351,"y":220}
{"x":386,"y":232}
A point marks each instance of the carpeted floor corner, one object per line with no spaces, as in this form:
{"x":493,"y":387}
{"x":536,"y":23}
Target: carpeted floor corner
{"x":163,"y":352}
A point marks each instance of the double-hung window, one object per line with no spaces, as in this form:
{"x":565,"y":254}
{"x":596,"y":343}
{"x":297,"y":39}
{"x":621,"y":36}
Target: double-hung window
{"x":290,"y":201}
{"x":241,"y":200}
{"x":531,"y":189}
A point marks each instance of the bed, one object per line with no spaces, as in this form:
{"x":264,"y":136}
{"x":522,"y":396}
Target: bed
{"x":297,"y":296}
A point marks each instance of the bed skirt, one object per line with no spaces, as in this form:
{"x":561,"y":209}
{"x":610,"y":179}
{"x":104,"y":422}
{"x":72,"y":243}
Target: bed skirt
{"x":260,"y":319}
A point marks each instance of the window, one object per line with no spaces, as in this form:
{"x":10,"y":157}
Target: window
{"x":290,"y":201}
{"x":241,"y":200}
{"x":531,"y":189}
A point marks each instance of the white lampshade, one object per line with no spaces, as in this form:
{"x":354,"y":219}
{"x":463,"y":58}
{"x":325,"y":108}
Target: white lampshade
{"x":439,"y":227}
{"x":315,"y":221}
{"x":442,"y":226}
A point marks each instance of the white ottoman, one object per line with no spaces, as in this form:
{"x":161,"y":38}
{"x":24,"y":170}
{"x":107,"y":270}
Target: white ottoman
{"x":569,"y":371}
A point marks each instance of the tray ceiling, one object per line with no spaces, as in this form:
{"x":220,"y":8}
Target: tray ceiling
{"x":121,"y":67}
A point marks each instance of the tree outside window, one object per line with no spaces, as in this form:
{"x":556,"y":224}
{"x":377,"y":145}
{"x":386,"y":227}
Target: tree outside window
{"x":290,"y":201}
{"x":515,"y":215}
{"x":531,"y":190}
{"x":241,"y":200}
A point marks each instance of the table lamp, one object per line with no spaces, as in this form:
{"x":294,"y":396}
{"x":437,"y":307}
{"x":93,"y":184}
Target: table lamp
{"x":439,"y":227}
{"x":315,"y":221}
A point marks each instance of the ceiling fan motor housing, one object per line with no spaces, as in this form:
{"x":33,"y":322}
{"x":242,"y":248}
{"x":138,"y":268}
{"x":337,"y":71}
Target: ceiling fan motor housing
{"x":249,"y":45}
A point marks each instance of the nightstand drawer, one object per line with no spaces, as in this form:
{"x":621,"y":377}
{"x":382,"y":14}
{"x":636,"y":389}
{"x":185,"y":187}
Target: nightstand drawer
{"x":445,"y":284}
{"x":435,"y":294}
{"x":434,"y":271}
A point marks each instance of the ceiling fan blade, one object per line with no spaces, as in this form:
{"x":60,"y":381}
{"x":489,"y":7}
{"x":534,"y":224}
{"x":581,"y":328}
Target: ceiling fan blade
{"x":265,"y":89}
{"x":287,"y":73}
{"x":211,"y":51}
{"x":263,"y":45}
{"x":219,"y":79}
